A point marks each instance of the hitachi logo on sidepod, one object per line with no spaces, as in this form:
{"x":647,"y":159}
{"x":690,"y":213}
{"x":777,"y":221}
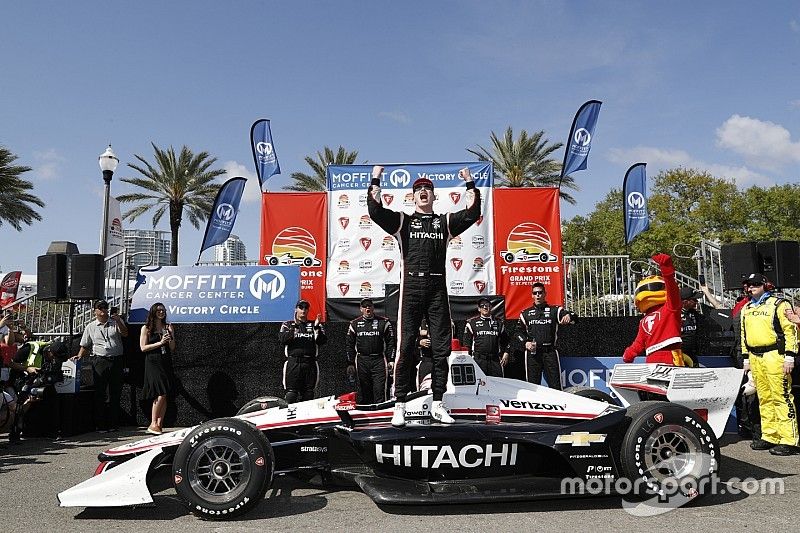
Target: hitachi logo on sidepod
{"x":517,"y":404}
{"x":469,"y":456}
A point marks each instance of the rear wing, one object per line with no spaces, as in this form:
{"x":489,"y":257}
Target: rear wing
{"x":704,"y":390}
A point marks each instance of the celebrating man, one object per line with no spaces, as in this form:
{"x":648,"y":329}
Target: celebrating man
{"x":423,"y":237}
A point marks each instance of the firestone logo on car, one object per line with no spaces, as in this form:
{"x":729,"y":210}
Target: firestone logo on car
{"x":267,"y":282}
{"x":434,"y":457}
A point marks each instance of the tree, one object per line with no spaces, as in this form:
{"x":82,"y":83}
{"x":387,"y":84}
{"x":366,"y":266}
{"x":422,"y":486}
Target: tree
{"x":525,"y":162}
{"x":15,"y":200}
{"x":174,"y":184}
{"x":319,"y":180}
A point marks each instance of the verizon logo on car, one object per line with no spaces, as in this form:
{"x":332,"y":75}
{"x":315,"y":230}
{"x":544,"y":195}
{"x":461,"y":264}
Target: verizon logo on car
{"x":468,"y":456}
{"x":517,"y":404}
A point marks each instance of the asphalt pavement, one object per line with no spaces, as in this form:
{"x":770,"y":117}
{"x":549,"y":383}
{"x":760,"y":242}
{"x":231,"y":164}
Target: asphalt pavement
{"x":34,"y":471}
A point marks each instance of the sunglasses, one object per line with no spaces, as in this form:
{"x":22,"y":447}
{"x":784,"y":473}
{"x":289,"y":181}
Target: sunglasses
{"x":538,"y":293}
{"x":304,"y":307}
{"x":484,"y":306}
{"x":423,"y":187}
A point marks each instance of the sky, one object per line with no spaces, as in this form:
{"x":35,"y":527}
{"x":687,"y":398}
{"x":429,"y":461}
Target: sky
{"x":707,"y":85}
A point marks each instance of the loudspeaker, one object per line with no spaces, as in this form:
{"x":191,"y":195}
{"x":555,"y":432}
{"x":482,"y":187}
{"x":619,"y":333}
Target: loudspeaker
{"x":738,"y":261}
{"x":51,"y":277}
{"x":780,"y":262}
{"x":88,"y":277}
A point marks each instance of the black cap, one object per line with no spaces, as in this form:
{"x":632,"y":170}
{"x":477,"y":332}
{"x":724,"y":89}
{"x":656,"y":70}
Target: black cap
{"x":58,"y":349}
{"x":100,"y":303}
{"x":302,"y":303}
{"x":687,"y":293}
{"x":755,"y":279}
{"x":367,"y":301}
{"x":486,"y":301}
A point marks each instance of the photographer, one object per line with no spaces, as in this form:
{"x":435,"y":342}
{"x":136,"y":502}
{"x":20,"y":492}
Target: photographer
{"x":36,"y":369}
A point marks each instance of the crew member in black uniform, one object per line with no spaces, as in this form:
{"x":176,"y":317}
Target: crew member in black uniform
{"x":370,"y":349}
{"x":537,"y":332}
{"x":692,"y":324}
{"x":301,"y":339}
{"x":423,"y":237}
{"x":486,"y":340}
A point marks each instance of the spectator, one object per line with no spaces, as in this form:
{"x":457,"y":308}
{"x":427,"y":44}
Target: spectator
{"x":301,"y":339}
{"x":370,"y":352}
{"x":769,"y":346}
{"x":102,"y":339}
{"x":486,"y":340}
{"x":157,"y":342}
{"x":537,"y":333}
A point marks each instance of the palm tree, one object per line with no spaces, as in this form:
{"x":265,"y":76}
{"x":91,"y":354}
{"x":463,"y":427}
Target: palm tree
{"x":174,"y":183}
{"x":319,"y":180}
{"x":526,"y":161}
{"x":14,"y":195}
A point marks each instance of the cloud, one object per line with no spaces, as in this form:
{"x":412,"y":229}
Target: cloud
{"x":252,"y":192}
{"x":762,"y":144}
{"x":396,"y":116}
{"x":662,"y":159}
{"x":794,"y":104}
{"x":47,"y":164}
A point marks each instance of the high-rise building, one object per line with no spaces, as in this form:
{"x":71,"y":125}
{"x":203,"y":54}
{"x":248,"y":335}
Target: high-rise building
{"x":230,"y":252}
{"x":142,"y":240}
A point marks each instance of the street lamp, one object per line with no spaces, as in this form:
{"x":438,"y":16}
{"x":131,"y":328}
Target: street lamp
{"x":108,"y":164}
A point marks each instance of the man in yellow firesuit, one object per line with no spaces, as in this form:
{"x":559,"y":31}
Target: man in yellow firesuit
{"x":769,"y":346}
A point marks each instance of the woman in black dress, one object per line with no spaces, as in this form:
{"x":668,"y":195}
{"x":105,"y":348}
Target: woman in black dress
{"x":157,"y":342}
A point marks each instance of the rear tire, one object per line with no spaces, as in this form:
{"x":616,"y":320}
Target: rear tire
{"x":670,"y":451}
{"x":223,"y":468}
{"x":592,"y":394}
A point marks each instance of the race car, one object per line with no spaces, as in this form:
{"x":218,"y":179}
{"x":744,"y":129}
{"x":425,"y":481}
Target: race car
{"x":524,"y":256}
{"x":512,"y":440}
{"x":289,"y":259}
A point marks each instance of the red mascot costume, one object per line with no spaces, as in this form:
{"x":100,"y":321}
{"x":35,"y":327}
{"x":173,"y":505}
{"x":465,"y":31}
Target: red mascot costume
{"x":659,"y":336}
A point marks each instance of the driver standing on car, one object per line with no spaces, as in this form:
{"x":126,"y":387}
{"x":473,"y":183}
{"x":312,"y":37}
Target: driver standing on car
{"x":423,"y":237}
{"x":301,"y":339}
{"x":537,"y":332}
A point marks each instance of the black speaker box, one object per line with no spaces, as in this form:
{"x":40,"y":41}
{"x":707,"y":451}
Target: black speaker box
{"x":51,"y":277}
{"x":88,"y":277}
{"x":738,"y":261}
{"x":780,"y":262}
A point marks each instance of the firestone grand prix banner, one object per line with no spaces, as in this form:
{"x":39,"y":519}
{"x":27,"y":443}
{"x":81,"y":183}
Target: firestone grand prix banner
{"x":218,"y":294}
{"x":363,"y":258}
{"x":293,"y":232}
{"x":527,"y":245}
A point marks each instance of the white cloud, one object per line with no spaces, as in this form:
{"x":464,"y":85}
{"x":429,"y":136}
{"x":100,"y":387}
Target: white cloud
{"x":252,"y":192}
{"x":47,"y":165}
{"x":658,"y":159}
{"x":396,"y":116}
{"x":763,"y":144}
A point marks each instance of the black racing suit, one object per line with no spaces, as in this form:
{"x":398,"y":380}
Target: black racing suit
{"x":424,"y":361}
{"x":539,"y":323}
{"x":423,"y":240}
{"x":301,"y":370}
{"x":486,"y":340}
{"x":370,"y":347}
{"x":691,"y":336}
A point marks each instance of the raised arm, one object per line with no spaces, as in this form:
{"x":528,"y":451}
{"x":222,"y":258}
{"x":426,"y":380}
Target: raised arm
{"x":388,"y":220}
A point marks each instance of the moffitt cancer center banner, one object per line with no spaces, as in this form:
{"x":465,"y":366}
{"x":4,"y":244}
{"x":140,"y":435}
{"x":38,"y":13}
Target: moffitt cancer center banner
{"x":364,"y":258}
{"x":218,"y":294}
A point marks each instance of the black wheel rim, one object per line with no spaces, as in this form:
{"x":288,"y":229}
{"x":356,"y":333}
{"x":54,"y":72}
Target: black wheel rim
{"x":219,"y":470}
{"x":672,"y":452}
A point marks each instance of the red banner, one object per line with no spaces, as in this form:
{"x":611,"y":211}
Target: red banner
{"x":9,"y":287}
{"x":294,"y":230}
{"x":527,"y":245}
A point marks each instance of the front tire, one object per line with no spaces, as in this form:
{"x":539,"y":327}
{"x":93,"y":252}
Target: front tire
{"x":223,"y":468}
{"x":669,"y":451}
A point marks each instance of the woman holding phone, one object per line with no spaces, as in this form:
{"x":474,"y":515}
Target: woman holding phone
{"x":157,"y":341}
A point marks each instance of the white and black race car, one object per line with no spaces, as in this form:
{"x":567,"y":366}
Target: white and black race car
{"x":512,"y":440}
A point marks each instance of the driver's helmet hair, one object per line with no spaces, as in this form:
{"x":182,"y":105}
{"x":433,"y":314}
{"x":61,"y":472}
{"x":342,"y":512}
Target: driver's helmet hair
{"x":649,"y":293}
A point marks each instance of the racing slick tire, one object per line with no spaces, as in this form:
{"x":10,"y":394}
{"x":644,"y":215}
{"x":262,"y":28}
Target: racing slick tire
{"x":223,"y":468}
{"x":669,"y":451}
{"x":592,"y":394}
{"x":261,"y":403}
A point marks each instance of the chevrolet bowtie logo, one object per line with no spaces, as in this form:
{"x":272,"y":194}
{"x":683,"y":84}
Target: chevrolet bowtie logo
{"x":581,"y":438}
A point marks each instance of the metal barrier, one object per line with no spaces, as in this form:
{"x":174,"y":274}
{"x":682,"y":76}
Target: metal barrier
{"x":598,"y":285}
